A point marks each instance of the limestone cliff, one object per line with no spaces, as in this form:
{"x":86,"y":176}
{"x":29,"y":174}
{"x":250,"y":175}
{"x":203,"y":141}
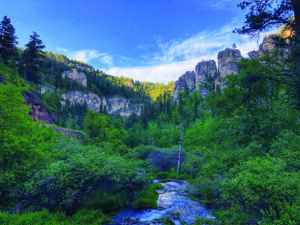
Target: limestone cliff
{"x":185,"y":82}
{"x":114,"y":105}
{"x":227,"y":61}
{"x":207,"y":71}
{"x":192,"y":80}
{"x":74,"y":75}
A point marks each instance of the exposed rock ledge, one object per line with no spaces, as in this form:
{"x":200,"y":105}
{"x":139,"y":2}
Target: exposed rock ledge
{"x":114,"y":105}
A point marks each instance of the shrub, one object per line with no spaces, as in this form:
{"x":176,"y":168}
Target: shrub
{"x":147,"y":198}
{"x":105,"y":201}
{"x":46,"y":218}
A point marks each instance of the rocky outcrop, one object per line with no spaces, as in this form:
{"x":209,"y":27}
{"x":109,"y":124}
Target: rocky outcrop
{"x":206,"y":71}
{"x":38,"y":112}
{"x":92,"y":100}
{"x":227,"y":61}
{"x":74,"y":75}
{"x":253,"y":54}
{"x":191,"y":80}
{"x":69,"y":133}
{"x":271,"y":42}
{"x":185,"y":82}
{"x":113,"y":105}
{"x":47,"y":89}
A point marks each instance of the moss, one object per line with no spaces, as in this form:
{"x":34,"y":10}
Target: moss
{"x":159,"y":186}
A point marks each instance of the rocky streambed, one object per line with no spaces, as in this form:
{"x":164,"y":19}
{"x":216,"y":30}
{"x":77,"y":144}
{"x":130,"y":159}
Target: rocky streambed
{"x":172,"y":203}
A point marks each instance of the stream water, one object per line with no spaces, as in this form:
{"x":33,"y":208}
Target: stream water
{"x":172,"y":203}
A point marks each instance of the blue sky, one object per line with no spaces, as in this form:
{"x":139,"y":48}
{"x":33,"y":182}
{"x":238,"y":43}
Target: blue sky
{"x":149,"y":40}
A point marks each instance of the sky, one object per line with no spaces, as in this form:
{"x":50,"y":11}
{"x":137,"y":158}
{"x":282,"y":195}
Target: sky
{"x":148,"y":40}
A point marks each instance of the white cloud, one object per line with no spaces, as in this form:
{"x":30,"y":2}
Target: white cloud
{"x":86,"y":55}
{"x":177,"y":57}
{"x":162,"y":73}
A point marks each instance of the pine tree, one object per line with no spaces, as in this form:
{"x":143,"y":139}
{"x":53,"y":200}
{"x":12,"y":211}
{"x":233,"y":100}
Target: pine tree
{"x":8,"y":50}
{"x":33,"y":59}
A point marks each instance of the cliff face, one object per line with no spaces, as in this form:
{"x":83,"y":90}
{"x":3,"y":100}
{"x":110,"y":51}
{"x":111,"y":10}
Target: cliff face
{"x":192,"y":80}
{"x":38,"y":112}
{"x":74,"y":75}
{"x":227,"y":61}
{"x":271,"y":42}
{"x":207,"y":70}
{"x":185,"y":82}
{"x":114,"y":105}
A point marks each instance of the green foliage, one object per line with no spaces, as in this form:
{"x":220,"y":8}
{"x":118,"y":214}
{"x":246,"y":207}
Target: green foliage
{"x":8,"y":50}
{"x":147,"y":198}
{"x":64,"y":184}
{"x":52,"y":101}
{"x":105,"y":201}
{"x":209,"y":221}
{"x":25,"y":145}
{"x":159,"y":186}
{"x":165,"y":221}
{"x":44,"y":217}
{"x":32,"y":59}
{"x":205,"y":189}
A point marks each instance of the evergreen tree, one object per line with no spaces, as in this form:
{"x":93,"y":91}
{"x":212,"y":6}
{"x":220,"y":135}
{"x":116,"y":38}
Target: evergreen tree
{"x":33,"y":59}
{"x":8,"y":41}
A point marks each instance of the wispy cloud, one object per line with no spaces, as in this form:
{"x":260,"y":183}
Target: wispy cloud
{"x":162,"y":73}
{"x":86,"y":55}
{"x":177,"y":57}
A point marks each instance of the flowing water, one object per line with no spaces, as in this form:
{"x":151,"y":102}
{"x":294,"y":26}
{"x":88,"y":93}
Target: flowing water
{"x":172,"y":204}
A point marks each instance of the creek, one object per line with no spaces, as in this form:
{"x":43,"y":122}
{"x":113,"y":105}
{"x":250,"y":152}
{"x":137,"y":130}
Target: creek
{"x":172,"y":203}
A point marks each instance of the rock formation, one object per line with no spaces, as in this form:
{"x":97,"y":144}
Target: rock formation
{"x":92,"y":100}
{"x":271,"y":42}
{"x":253,"y":54}
{"x":227,"y":61}
{"x":207,"y":71}
{"x":114,"y":105}
{"x":74,"y":75}
{"x":192,"y":80}
{"x":38,"y":112}
{"x":185,"y":82}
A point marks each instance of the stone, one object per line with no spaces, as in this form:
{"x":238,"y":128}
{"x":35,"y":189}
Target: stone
{"x":203,"y":70}
{"x":192,"y":80}
{"x":185,"y":82}
{"x":253,"y":54}
{"x":227,"y":61}
{"x":92,"y":100}
{"x":38,"y":111}
{"x":114,"y":105}
{"x":74,"y":75}
{"x":271,"y":42}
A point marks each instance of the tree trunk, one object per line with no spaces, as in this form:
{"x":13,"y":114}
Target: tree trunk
{"x":296,"y":9}
{"x":179,"y":153}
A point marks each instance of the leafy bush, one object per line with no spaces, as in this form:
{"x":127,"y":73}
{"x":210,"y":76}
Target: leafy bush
{"x":46,"y":218}
{"x":105,"y":201}
{"x":64,"y":184}
{"x":147,"y":198}
{"x":163,"y":159}
{"x":205,"y":189}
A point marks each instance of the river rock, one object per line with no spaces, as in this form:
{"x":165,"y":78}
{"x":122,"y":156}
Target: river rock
{"x":172,"y":203}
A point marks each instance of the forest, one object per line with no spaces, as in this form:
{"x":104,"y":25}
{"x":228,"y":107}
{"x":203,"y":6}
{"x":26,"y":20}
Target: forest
{"x":240,"y":146}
